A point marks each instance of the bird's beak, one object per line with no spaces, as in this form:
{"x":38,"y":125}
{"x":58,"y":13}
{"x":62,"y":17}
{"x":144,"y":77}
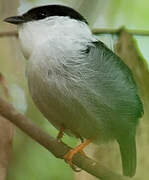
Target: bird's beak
{"x":15,"y":20}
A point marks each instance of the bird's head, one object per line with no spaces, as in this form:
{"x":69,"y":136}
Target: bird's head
{"x":53,"y":22}
{"x":43,"y":12}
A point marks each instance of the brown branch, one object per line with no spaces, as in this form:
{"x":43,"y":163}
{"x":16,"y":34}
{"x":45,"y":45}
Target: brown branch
{"x":3,"y":83}
{"x":98,"y":31}
{"x":58,"y":149}
{"x":9,"y":34}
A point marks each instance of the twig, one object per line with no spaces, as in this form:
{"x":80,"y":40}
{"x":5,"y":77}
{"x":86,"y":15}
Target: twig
{"x":3,"y":83}
{"x":9,"y":34}
{"x":58,"y":149}
{"x":117,"y":31}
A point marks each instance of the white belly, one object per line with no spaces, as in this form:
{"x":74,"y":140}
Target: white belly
{"x":63,"y":108}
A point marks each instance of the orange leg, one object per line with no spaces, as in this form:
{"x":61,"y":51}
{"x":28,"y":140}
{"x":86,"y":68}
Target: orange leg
{"x":61,"y":133}
{"x":68,"y":156}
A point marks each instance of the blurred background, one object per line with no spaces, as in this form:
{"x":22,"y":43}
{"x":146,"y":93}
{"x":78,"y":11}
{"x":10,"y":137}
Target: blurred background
{"x":27,"y":160}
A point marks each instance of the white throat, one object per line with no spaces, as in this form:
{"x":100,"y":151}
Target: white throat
{"x":54,"y":32}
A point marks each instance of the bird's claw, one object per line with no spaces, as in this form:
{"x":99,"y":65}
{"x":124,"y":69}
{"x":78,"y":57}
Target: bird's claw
{"x":68,"y":158}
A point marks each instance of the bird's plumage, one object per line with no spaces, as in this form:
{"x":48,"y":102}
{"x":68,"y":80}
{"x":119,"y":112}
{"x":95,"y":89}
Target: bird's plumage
{"x":89,"y":88}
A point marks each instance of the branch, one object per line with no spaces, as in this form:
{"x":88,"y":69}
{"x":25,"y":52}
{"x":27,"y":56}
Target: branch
{"x":97,"y":31}
{"x":3,"y":83}
{"x":58,"y":149}
{"x":9,"y":34}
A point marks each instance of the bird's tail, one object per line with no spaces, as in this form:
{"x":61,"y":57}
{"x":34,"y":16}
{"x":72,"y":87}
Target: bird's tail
{"x":128,"y":155}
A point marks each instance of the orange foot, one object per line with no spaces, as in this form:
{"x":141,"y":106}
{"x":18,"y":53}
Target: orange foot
{"x":68,"y":156}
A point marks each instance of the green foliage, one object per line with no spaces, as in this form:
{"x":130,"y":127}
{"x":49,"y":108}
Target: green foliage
{"x":133,"y":14}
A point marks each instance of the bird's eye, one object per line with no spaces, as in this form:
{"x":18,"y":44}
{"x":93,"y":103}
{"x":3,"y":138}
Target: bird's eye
{"x":41,"y":15}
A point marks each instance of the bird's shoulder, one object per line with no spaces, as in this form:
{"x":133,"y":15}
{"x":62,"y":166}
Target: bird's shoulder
{"x":105,"y":61}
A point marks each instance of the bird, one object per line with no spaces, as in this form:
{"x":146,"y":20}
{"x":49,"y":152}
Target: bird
{"x":82,"y":87}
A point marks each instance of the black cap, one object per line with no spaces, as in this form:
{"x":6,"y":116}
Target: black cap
{"x":42,"y":12}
